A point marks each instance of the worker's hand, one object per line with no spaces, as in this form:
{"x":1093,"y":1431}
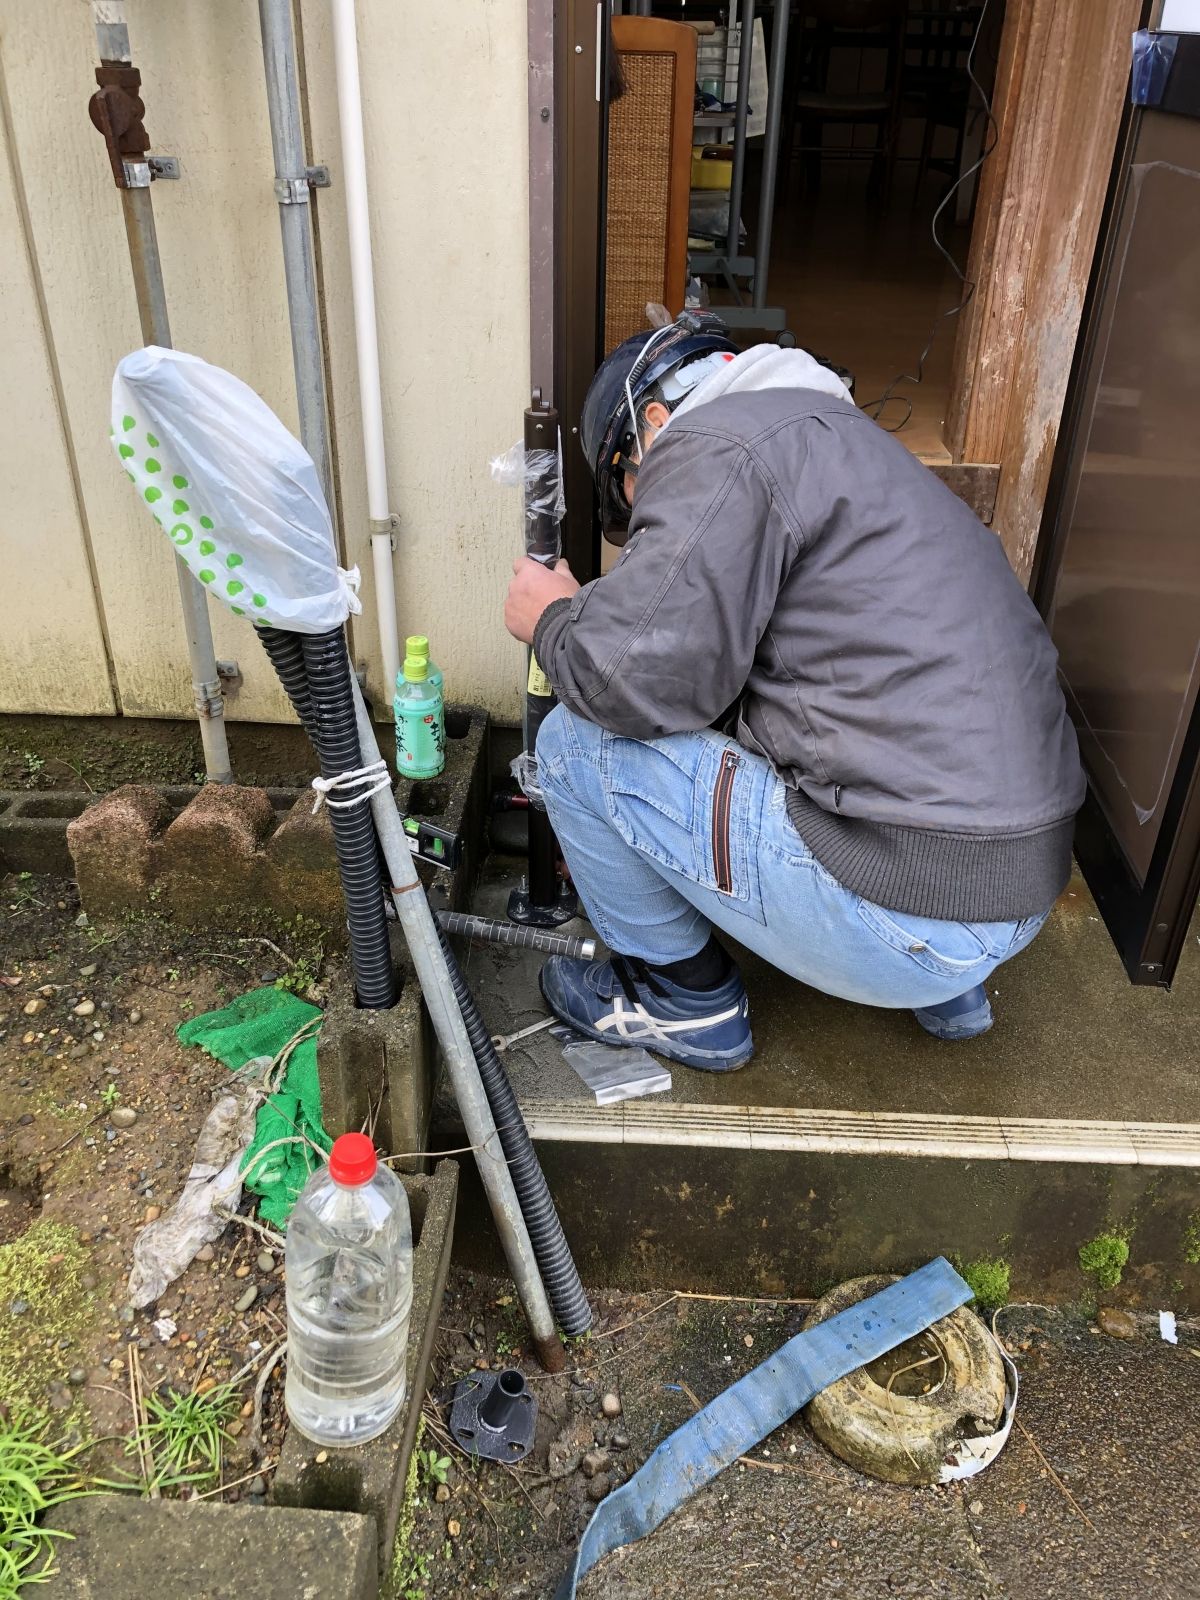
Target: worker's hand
{"x":532,"y":588}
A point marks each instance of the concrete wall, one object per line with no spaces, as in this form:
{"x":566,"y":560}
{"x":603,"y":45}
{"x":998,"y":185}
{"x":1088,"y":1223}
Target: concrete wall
{"x":89,"y":616}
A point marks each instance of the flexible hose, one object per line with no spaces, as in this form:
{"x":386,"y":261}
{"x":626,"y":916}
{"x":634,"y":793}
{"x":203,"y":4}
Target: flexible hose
{"x":315,"y":671}
{"x":522,"y":938}
{"x":545,"y":1231}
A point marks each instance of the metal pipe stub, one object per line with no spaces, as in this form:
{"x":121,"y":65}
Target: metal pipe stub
{"x":494,"y":1415}
{"x":546,"y":899}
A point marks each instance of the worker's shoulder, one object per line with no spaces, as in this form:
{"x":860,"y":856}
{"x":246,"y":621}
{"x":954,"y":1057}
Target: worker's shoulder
{"x":753,"y":419}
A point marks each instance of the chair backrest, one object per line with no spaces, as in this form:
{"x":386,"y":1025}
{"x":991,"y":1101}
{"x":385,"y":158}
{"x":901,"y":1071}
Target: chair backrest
{"x":937,"y":38}
{"x":650,"y":133}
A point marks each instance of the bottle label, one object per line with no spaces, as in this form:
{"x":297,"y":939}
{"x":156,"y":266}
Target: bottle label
{"x":539,"y":683}
{"x":421,"y":743}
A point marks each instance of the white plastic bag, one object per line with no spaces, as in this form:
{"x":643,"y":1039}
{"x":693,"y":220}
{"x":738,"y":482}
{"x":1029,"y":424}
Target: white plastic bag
{"x":236,"y":494}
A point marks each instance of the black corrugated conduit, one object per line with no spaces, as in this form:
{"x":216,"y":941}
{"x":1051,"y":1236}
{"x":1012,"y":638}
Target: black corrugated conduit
{"x":545,"y":1230}
{"x":315,"y":671}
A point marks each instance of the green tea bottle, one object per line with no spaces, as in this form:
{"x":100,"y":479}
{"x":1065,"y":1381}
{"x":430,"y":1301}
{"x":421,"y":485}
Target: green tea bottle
{"x":420,"y":714}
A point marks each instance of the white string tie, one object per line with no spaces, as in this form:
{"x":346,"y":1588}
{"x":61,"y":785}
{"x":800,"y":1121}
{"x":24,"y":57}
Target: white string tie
{"x":369,"y":780}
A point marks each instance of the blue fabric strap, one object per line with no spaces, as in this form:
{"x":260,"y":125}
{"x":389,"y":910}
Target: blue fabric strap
{"x":759,"y":1403}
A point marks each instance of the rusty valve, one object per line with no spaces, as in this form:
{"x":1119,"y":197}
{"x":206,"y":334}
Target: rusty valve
{"x":117,"y":110}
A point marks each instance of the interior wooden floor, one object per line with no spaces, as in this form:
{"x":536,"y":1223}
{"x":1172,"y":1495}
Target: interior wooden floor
{"x":863,"y":288}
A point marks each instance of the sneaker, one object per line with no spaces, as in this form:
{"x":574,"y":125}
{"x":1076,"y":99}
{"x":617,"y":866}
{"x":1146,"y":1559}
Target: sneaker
{"x":964,"y":1018}
{"x":620,"y":1003}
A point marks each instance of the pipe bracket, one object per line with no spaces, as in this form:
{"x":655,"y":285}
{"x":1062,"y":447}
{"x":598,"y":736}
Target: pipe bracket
{"x":206,"y":697}
{"x":385,"y":528}
{"x":296,"y":191}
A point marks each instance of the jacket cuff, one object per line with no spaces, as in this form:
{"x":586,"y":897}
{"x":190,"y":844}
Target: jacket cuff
{"x":556,"y":608}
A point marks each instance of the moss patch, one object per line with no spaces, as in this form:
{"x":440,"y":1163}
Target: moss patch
{"x":44,"y":1309}
{"x":409,"y":1571}
{"x":1104,"y":1259}
{"x":1191,"y":1240}
{"x":990,"y":1280}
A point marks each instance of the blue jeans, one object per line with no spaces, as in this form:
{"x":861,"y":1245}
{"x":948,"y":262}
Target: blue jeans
{"x":665,"y":839}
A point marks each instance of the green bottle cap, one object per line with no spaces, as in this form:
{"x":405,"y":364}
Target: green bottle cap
{"x":416,"y":658}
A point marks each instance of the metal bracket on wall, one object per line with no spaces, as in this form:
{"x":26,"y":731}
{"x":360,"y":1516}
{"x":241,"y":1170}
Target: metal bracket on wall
{"x":140,"y":174}
{"x":295,"y":191}
{"x":230,"y":674}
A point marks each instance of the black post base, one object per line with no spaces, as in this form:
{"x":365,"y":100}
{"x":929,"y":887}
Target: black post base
{"x":523,"y":909}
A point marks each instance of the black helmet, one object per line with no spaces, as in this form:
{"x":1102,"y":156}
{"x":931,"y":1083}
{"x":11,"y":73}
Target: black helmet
{"x":608,"y":428}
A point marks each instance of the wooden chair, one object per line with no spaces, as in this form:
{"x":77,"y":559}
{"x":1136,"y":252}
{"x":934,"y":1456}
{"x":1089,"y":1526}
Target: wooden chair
{"x":868,"y":25}
{"x":650,"y":133}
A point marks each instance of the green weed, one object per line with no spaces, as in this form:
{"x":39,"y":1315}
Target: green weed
{"x":35,"y":1476}
{"x":184,"y":1436}
{"x":432,"y":1467}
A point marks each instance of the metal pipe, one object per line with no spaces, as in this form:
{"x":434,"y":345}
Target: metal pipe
{"x":112,"y":40}
{"x":766,"y":198}
{"x":741,"y":110}
{"x":416,"y":919}
{"x":294,"y":194}
{"x":362,"y":291}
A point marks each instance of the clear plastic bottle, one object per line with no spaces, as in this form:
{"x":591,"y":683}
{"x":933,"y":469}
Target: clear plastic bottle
{"x":349,"y":1294}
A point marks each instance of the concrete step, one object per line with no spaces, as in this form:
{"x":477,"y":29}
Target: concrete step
{"x":119,"y":1548}
{"x":853,"y":1142}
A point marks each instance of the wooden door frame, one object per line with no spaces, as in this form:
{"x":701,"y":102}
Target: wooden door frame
{"x":1059,"y":96}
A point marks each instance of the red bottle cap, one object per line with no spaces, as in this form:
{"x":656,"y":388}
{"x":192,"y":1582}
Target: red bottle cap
{"x":352,"y":1160}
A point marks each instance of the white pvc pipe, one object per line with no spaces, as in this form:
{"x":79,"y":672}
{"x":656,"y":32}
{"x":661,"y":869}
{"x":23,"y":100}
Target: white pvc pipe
{"x":362,"y":284}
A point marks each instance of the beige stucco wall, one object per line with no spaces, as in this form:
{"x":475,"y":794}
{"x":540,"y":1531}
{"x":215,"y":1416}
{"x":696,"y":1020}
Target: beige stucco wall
{"x":90,"y":615}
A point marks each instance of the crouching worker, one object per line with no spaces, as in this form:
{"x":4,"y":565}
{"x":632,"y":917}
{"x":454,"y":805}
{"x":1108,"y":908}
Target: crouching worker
{"x":889,"y":815}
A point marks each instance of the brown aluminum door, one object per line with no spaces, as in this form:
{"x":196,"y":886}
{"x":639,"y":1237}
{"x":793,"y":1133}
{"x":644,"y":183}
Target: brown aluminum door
{"x":1122,"y":590}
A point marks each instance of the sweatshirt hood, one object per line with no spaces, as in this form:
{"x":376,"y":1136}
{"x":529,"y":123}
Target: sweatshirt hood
{"x":763,"y":366}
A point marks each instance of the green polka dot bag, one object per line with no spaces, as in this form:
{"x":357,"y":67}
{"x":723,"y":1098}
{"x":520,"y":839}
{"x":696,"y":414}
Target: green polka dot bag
{"x":237,"y":496}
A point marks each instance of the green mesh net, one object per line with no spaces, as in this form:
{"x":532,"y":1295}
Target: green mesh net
{"x":261,"y":1023}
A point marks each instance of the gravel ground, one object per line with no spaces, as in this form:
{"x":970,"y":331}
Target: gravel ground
{"x":1096,"y":1493}
{"x":99,"y":1111}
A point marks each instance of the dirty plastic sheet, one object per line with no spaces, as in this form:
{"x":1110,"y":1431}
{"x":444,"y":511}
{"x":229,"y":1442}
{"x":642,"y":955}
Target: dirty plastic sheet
{"x":611,"y":1072}
{"x":167,"y":1246}
{"x":757,"y":1404}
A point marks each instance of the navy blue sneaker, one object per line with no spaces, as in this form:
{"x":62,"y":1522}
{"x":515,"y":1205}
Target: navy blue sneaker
{"x":619,"y":1002}
{"x":964,"y":1018}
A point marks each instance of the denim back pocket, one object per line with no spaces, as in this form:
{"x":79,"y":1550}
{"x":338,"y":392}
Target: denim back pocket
{"x":950,"y":949}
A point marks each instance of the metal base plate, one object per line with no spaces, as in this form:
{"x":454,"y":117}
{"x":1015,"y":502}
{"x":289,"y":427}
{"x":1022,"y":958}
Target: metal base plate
{"x":510,"y":1443}
{"x":522,"y":909}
